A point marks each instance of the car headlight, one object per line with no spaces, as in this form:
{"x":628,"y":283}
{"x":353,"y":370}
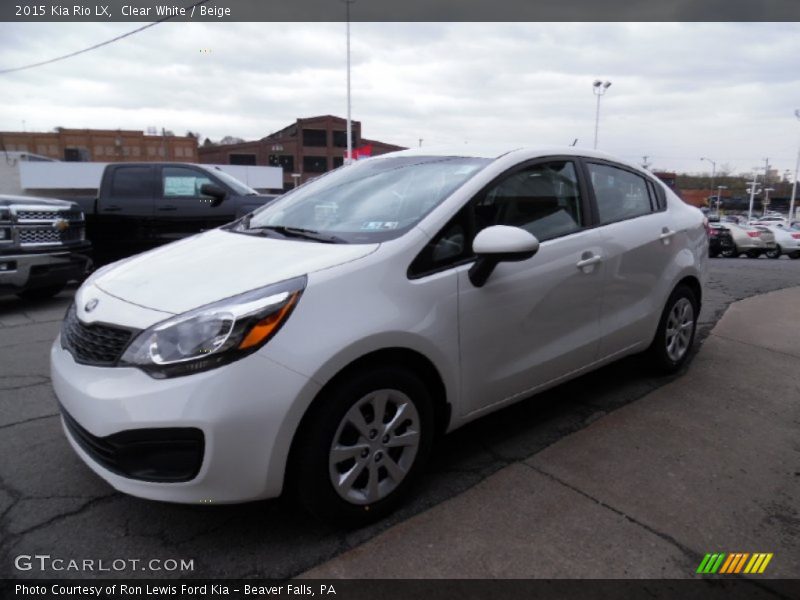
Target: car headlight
{"x":215,"y":334}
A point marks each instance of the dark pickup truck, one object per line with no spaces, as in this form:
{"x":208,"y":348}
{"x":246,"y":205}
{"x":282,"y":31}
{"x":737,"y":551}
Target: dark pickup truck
{"x":42,"y":246}
{"x":142,"y":205}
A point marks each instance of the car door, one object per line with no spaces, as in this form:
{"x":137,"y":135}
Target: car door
{"x":181,"y":208}
{"x":638,"y":243}
{"x":124,"y":222}
{"x":537,"y":320}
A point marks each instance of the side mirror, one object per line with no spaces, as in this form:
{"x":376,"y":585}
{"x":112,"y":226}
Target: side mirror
{"x":496,"y":244}
{"x":213,"y":190}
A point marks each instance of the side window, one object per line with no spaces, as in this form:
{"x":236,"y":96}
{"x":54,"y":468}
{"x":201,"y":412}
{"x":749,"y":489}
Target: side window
{"x":620,"y":194}
{"x":131,"y":182}
{"x":180,"y":182}
{"x":543,"y":199}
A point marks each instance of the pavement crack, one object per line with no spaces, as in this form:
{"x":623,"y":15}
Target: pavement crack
{"x":31,"y":420}
{"x":688,"y":552}
{"x":72,"y":513}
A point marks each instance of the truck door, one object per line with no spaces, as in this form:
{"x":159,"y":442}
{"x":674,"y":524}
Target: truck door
{"x":124,"y":219}
{"x":181,"y":208}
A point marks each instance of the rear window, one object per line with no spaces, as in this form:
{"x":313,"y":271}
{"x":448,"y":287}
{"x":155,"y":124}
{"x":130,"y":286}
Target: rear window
{"x":131,"y":182}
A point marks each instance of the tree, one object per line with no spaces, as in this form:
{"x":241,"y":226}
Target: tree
{"x":229,"y":139}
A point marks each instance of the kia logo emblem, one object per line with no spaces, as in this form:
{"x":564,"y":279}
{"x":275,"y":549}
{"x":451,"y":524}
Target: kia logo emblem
{"x":91,"y":305}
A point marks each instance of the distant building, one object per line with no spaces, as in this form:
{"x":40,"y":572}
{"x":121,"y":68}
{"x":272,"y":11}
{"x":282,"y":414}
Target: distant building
{"x":306,"y":148}
{"x":101,"y":145}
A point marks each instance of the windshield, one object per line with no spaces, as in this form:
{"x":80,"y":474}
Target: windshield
{"x":237,"y":186}
{"x":367,"y":202}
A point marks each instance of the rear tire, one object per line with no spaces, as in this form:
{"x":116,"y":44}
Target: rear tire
{"x":730,"y":252}
{"x":776,"y":253}
{"x":794,"y":255}
{"x":672,"y":344}
{"x":352,"y":465}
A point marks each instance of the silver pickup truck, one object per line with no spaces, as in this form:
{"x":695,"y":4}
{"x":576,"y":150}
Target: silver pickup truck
{"x":43,"y":246}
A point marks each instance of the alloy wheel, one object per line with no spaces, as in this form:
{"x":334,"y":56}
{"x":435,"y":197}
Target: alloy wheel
{"x":374,"y":446}
{"x":680,"y":326}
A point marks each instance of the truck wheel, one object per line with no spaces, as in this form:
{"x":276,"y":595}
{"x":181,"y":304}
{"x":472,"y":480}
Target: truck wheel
{"x":675,"y":334}
{"x":775,"y":253}
{"x":362,"y":446}
{"x":42,"y":293}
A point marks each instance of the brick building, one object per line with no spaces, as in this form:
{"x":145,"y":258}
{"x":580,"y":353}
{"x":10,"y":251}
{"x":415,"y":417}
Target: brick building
{"x":307,"y":147}
{"x":101,"y":145}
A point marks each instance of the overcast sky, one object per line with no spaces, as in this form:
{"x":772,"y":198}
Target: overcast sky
{"x":680,"y":90}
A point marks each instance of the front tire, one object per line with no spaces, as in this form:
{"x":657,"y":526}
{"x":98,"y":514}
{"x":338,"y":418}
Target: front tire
{"x":676,"y":330}
{"x":362,"y":445}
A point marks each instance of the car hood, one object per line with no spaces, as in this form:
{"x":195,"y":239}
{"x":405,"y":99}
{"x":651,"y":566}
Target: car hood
{"x":216,"y":265}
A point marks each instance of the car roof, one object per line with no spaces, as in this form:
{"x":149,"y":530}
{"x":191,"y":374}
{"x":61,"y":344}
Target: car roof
{"x":494,"y":151}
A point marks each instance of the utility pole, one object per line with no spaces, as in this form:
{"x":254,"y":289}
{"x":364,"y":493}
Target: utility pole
{"x":420,"y":142}
{"x":645,"y":164}
{"x":794,"y":182}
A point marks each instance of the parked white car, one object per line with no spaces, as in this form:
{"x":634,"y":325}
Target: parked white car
{"x":322,"y":342}
{"x":787,"y":240}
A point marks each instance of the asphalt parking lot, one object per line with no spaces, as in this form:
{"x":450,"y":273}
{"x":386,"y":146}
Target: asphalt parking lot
{"x":50,"y":503}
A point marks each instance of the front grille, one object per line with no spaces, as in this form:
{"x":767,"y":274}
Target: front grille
{"x":93,"y":344}
{"x":164,"y":455}
{"x":50,"y":236}
{"x":48,"y":215}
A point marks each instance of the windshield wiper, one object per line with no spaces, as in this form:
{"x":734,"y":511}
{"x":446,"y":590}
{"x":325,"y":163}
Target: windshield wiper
{"x":299,"y":232}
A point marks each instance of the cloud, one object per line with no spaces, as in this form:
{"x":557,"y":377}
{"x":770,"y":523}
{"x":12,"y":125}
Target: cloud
{"x":680,"y":90}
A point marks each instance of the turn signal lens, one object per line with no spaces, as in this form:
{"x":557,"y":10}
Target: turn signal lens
{"x":268,"y":325}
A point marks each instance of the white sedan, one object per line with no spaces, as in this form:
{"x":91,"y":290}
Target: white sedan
{"x":321,"y":343}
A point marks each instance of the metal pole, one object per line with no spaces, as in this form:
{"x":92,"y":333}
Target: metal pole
{"x":596,"y":120}
{"x":794,"y":187}
{"x":713,"y":175}
{"x":794,"y":183}
{"x":752,"y":198}
{"x":349,"y":122}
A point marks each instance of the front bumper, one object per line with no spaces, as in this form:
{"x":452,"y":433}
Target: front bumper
{"x":246,"y":413}
{"x":20,"y":272}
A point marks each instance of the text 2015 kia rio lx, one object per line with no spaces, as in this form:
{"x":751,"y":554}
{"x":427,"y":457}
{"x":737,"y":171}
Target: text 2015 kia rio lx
{"x":322,"y":342}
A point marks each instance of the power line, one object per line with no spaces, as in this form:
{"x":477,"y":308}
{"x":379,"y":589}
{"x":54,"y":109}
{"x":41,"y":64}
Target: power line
{"x":100,"y":45}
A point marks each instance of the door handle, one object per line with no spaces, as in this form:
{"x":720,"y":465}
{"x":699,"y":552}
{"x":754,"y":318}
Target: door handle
{"x":588,"y":262}
{"x":666,"y":233}
{"x":167,"y":208}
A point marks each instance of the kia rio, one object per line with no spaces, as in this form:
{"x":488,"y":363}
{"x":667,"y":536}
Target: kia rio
{"x":321,"y":343}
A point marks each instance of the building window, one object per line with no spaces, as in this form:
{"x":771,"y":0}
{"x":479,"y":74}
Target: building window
{"x":285,"y":161}
{"x":315,"y":164}
{"x":242,"y":159}
{"x":98,"y":151}
{"x":340,"y":139}
{"x":338,"y":161}
{"x":178,"y":152}
{"x":315,"y":137}
{"x":136,"y":150}
{"x":75,"y":155}
{"x":151,"y":151}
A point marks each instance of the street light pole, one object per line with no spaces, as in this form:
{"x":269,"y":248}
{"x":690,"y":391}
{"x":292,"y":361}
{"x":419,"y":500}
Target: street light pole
{"x":713,"y":171}
{"x":598,"y":89}
{"x":349,"y":158}
{"x":752,"y":191}
{"x":719,"y":196}
{"x":794,"y":183}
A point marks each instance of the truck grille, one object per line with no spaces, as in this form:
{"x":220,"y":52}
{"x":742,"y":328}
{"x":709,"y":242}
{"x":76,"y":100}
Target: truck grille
{"x":29,"y":236}
{"x":97,"y":345}
{"x":48,"y":215}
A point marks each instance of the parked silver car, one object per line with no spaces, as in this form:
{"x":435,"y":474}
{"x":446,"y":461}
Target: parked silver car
{"x":750,"y":240}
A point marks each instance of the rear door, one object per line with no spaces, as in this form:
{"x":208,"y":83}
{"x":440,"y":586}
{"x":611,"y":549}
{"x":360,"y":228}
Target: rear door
{"x":639,"y":241}
{"x":125,"y":210}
